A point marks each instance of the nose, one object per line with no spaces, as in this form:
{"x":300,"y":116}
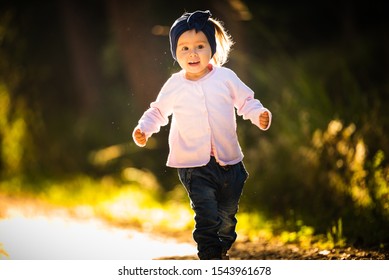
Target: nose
{"x":193,"y":52}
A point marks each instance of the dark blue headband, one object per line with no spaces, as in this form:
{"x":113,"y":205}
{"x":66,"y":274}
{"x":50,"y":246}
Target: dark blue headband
{"x":198,"y":20}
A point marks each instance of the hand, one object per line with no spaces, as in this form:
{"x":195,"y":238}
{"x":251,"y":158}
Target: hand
{"x":140,"y":137}
{"x":264,"y":120}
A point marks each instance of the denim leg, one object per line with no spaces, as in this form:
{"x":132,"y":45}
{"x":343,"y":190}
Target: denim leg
{"x":228,"y":203}
{"x":214,"y":193}
{"x":202,"y":190}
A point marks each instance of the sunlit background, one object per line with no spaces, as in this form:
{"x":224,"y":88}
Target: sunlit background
{"x":75,"y":76}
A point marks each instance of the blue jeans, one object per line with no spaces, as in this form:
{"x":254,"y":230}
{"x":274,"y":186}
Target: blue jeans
{"x":214,"y":193}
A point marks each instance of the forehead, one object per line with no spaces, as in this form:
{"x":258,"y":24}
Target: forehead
{"x":191,"y":36}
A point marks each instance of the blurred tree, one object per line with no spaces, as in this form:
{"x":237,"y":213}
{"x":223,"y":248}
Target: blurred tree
{"x":75,"y":76}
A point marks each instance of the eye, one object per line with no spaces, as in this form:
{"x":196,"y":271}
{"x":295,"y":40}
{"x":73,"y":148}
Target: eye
{"x":200,"y":47}
{"x":184,"y":48}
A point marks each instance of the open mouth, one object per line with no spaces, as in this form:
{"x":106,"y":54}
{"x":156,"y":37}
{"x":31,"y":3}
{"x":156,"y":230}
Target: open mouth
{"x":193,"y":63}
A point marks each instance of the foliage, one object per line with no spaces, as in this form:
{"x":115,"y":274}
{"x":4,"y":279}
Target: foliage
{"x":70,"y":96}
{"x":321,"y":176}
{"x":12,"y":113}
{"x":136,"y":199}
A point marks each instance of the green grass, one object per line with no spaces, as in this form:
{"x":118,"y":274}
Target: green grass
{"x":137,"y":200}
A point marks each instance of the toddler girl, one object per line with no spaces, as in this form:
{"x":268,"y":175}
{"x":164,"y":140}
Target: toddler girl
{"x":202,"y":99}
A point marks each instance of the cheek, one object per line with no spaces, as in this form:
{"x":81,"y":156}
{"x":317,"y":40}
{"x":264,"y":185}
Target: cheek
{"x":181,"y":62}
{"x":181,"y":59}
{"x":206,"y":55}
{"x":181,"y":54}
{"x":206,"y":52}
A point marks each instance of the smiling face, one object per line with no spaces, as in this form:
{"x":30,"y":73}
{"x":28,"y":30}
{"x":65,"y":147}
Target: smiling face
{"x":193,"y":54}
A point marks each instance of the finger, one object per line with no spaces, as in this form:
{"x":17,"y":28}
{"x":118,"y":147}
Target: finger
{"x":139,"y":133}
{"x":264,"y":120}
{"x":141,"y":141}
{"x":140,"y":137}
{"x":264,"y":117}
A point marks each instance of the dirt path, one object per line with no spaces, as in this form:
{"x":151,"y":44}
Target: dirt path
{"x":260,"y":250}
{"x":35,"y":230}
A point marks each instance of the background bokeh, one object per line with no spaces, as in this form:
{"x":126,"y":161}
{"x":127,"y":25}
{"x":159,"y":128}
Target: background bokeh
{"x":75,"y":77}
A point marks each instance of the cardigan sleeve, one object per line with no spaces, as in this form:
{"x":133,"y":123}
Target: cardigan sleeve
{"x":246,"y":105}
{"x":158,"y":113}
